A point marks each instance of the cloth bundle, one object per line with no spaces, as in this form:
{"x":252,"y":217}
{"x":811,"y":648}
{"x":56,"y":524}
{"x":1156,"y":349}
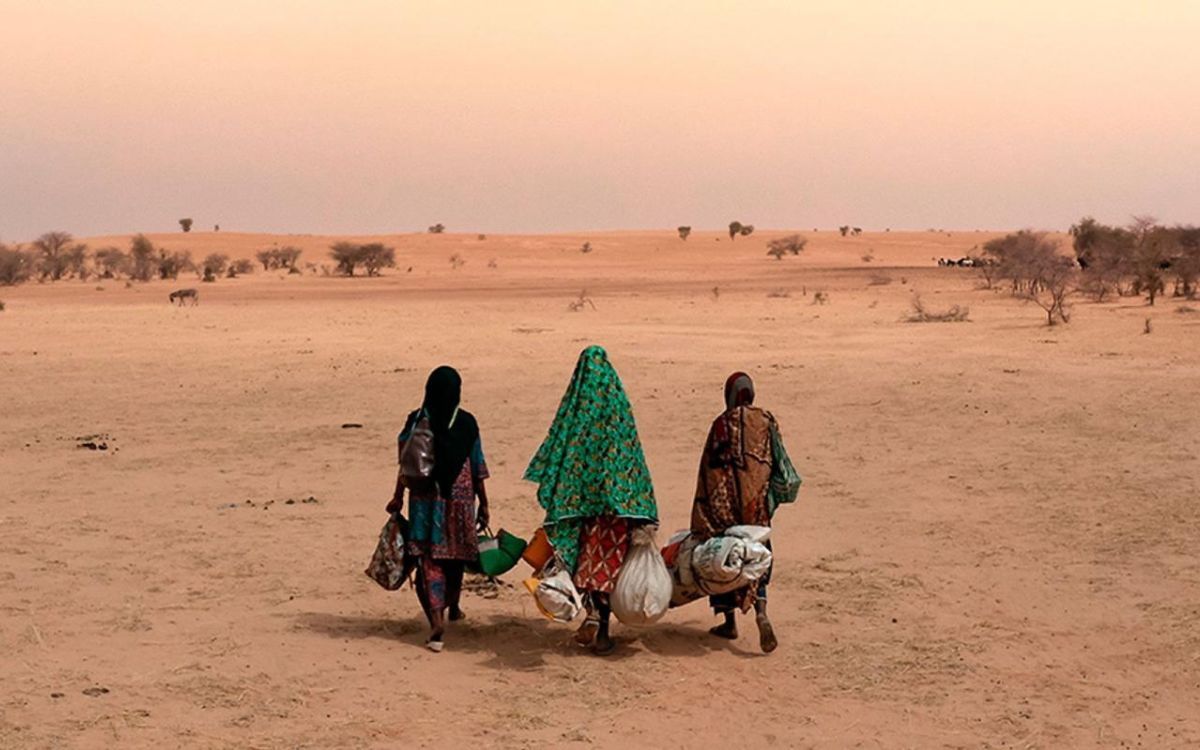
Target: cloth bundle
{"x":718,"y":565}
{"x":555,"y":593}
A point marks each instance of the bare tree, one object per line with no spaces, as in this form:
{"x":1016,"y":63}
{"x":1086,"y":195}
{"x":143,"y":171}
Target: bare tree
{"x":684,"y":232}
{"x":1055,"y":277}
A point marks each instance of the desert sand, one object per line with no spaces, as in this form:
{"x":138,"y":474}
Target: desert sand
{"x":995,"y":543}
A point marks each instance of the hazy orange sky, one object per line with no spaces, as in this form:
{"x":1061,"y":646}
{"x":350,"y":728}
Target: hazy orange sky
{"x":381,"y":116}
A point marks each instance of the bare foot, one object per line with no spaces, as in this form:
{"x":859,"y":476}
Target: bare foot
{"x":727,"y":631}
{"x":603,"y":646}
{"x":457,"y":614}
{"x":587,"y":632}
{"x":766,"y":635}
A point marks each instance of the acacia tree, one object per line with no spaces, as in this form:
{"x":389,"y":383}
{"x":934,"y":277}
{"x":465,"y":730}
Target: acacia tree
{"x":684,"y":232}
{"x":375,"y":256}
{"x":186,"y":225}
{"x":735,"y":228}
{"x":347,"y":255}
{"x":747,"y":230}
{"x":51,"y":249}
{"x":1055,"y":277}
{"x":844,"y":229}
{"x":437,"y":228}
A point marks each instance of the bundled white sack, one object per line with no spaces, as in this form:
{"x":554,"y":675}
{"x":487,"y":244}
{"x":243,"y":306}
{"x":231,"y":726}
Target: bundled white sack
{"x":642,"y":593}
{"x":556,"y":595}
{"x":719,"y":565}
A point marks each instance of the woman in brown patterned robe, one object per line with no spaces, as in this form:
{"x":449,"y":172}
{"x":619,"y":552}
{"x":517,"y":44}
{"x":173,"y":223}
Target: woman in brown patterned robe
{"x":745,"y":474}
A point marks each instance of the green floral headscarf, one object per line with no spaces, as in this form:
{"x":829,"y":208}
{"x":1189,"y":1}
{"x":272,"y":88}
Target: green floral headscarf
{"x":591,"y":463}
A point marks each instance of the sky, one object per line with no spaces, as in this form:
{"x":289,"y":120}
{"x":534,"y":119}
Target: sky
{"x":374,"y":116}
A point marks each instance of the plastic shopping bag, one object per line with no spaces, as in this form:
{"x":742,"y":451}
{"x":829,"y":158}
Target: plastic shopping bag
{"x":642,"y":593}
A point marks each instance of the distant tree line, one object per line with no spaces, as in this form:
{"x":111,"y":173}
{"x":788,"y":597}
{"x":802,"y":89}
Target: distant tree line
{"x":1140,"y":258}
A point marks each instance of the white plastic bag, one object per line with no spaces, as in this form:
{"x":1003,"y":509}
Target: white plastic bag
{"x":642,"y":593}
{"x":556,"y":595}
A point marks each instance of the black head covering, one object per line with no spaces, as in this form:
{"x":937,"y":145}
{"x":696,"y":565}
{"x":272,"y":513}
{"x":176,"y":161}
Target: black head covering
{"x":454,"y":430}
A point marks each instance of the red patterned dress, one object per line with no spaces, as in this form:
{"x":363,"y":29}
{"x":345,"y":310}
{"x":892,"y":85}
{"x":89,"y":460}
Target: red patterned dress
{"x":603,"y":545}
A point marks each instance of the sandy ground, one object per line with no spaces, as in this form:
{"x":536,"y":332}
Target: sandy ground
{"x":995,"y":544}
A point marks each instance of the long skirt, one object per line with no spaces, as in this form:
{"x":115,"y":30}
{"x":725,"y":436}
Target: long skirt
{"x":604,"y":543}
{"x":438,"y":584}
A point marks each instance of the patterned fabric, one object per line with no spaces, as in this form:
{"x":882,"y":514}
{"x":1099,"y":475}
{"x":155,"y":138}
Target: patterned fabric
{"x":591,"y":462}
{"x":444,"y":528}
{"x":438,"y":584}
{"x":605,"y":542}
{"x":745,"y":473}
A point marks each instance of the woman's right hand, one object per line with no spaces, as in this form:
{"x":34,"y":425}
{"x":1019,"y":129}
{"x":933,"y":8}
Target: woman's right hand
{"x":396,"y":505}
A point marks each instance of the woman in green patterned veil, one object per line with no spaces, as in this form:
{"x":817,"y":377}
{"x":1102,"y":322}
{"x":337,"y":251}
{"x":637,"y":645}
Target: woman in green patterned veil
{"x":594,"y":485}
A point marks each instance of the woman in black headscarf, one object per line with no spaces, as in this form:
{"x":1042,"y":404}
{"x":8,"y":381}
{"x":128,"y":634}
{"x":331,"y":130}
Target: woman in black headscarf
{"x":442,"y":517}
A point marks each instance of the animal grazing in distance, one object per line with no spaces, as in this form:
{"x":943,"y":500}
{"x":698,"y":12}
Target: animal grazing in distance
{"x":179,"y":295}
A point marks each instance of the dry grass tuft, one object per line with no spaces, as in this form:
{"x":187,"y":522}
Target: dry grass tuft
{"x":920,"y":314}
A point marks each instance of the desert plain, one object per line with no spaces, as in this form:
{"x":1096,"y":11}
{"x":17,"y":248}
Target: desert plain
{"x":995,"y":544}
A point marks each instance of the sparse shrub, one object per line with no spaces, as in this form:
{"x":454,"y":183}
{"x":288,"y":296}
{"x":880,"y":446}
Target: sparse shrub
{"x":111,"y":262}
{"x":793,"y":243}
{"x":580,"y":302}
{"x":284,"y":258}
{"x":684,"y":233}
{"x":170,"y":265}
{"x":856,"y":231}
{"x":746,"y":230}
{"x":437,"y":228}
{"x":820,"y":298}
{"x":1185,"y":310}
{"x":267,"y":258}
{"x":141,"y":255}
{"x":186,"y":225}
{"x":493,"y":263}
{"x":585,"y":248}
{"x":779,"y":294}
{"x":844,"y":229}
{"x":868,"y":256}
{"x":879,"y":279}
{"x":208,"y":276}
{"x":481,"y":237}
{"x":15,"y":265}
{"x":920,"y":314}
{"x":215,"y":265}
{"x":1,"y":305}
{"x":239,"y":267}
{"x":457,"y":261}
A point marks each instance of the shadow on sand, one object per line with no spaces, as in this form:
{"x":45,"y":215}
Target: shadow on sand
{"x":520,"y":643}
